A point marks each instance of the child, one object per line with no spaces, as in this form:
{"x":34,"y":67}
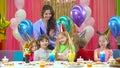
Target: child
{"x":103,"y":45}
{"x":33,"y":47}
{"x":63,"y":46}
{"x":80,"y":44}
{"x":42,"y":54}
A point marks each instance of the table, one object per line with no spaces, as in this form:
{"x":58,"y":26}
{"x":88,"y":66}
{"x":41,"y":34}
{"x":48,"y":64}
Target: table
{"x":57,"y":64}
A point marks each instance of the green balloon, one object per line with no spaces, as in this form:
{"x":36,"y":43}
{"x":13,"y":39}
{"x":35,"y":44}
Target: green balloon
{"x":66,"y":21}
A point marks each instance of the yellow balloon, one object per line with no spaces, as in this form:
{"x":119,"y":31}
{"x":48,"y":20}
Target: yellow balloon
{"x":3,"y":26}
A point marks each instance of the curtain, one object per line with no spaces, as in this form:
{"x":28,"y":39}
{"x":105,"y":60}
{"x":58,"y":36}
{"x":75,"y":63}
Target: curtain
{"x":102,"y":11}
{"x":32,"y":8}
{"x":62,"y":9}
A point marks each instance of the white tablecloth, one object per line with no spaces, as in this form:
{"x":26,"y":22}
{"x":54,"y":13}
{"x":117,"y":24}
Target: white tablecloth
{"x":57,"y":64}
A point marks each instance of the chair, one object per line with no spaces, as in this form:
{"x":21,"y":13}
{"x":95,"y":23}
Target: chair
{"x":7,"y":53}
{"x":18,"y":56}
{"x":116,"y":53}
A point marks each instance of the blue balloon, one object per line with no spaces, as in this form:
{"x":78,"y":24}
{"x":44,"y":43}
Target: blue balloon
{"x":25,"y":28}
{"x":114,"y":25}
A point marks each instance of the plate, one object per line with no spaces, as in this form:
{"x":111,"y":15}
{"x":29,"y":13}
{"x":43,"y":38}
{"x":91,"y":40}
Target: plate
{"x":100,"y":64}
{"x":114,"y":65}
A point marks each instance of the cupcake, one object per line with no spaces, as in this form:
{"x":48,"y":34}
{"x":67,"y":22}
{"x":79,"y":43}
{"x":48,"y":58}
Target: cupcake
{"x":80,"y":59}
{"x":5,"y":60}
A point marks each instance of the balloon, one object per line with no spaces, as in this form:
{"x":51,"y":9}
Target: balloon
{"x":14,"y":23}
{"x":66,"y":21}
{"x":114,"y":25}
{"x":3,"y":23}
{"x":17,"y":35}
{"x":3,"y":26}
{"x":20,"y":15}
{"x":19,"y":4}
{"x":84,"y":2}
{"x":88,"y":12}
{"x":89,"y":32}
{"x":78,"y":14}
{"x":25,"y":29}
{"x":89,"y":22}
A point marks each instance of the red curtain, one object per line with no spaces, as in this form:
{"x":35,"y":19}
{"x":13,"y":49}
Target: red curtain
{"x":102,"y":11}
{"x":32,"y":8}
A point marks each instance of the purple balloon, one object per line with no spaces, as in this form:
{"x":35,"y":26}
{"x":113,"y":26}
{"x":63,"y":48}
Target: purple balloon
{"x":78,"y":14}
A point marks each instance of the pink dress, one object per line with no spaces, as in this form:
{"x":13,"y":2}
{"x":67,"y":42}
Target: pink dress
{"x":108,"y":53}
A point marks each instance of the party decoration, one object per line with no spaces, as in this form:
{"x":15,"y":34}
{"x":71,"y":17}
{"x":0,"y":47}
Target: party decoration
{"x":3,"y":23}
{"x":19,"y":4}
{"x":3,"y":26}
{"x":89,"y":32}
{"x":88,"y":12}
{"x":62,"y":28}
{"x":114,"y":25}
{"x":16,"y":35}
{"x":14,"y":23}
{"x":78,"y":14}
{"x":107,"y":32}
{"x":25,"y":28}
{"x":89,"y":22}
{"x":66,"y":21}
{"x":84,"y":2}
{"x":20,"y":15}
{"x":82,"y":35}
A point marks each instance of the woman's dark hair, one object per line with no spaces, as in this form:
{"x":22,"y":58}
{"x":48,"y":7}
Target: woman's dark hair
{"x":106,"y":37}
{"x":51,"y":24}
{"x":41,"y":37}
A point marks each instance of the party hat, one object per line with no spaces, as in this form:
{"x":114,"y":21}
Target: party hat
{"x":62,"y":28}
{"x":82,"y":35}
{"x":107,"y":32}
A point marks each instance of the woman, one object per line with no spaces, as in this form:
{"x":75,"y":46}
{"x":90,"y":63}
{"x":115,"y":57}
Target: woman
{"x":46,"y":25}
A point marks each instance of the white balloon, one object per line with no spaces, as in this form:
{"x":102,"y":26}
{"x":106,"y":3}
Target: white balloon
{"x":20,"y":14}
{"x":88,"y":12}
{"x":89,"y":32}
{"x":17,"y":35}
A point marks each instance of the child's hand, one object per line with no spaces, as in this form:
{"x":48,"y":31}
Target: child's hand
{"x":61,"y":57}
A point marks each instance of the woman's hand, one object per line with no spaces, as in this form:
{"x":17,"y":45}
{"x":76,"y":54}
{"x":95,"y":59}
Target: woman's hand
{"x":51,"y":33}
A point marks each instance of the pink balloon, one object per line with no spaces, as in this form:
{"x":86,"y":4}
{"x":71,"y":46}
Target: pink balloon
{"x":84,"y":2}
{"x":89,"y":22}
{"x":14,"y":23}
{"x":19,"y":4}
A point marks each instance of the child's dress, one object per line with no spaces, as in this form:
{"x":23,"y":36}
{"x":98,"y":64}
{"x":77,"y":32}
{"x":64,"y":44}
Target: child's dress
{"x":64,"y":50}
{"x":108,"y":54}
{"x":83,"y":54}
{"x":41,"y":54}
